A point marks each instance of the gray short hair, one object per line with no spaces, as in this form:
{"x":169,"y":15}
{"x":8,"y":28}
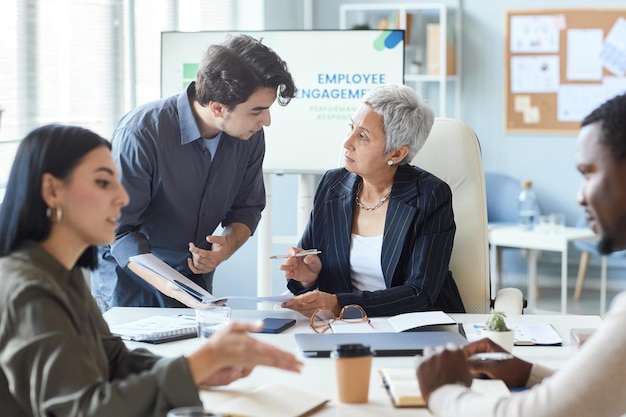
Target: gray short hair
{"x":407,"y":119}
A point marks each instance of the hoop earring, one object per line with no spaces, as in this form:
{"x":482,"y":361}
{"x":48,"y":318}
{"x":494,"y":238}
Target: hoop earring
{"x":390,"y":162}
{"x":58,"y":214}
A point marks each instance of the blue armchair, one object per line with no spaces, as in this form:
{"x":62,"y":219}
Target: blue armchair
{"x":502,"y":194}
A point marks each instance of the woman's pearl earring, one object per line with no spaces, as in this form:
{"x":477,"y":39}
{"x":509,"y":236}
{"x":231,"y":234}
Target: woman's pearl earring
{"x":390,"y":162}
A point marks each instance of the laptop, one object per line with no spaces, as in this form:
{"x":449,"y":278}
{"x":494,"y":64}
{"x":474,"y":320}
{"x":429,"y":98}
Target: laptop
{"x":384,"y":344}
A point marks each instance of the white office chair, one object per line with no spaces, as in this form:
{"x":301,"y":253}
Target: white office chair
{"x":452,"y":153}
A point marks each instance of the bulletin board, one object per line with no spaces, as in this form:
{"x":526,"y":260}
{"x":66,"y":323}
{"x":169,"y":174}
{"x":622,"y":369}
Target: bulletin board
{"x":560,"y":65}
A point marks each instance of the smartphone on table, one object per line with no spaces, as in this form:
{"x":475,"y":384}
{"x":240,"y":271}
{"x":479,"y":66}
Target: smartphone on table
{"x":276,"y":325}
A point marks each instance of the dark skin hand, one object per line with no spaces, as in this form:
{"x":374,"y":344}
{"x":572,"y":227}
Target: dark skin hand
{"x":514,"y":372}
{"x":449,"y":366}
{"x":452,"y":366}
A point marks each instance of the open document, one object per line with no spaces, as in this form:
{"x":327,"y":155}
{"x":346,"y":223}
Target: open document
{"x":174,"y":284}
{"x":399,"y":323}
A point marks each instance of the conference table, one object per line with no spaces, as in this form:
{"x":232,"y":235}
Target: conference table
{"x":318,"y":374}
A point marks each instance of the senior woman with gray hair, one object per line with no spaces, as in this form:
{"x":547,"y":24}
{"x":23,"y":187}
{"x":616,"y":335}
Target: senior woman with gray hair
{"x":385,"y":228}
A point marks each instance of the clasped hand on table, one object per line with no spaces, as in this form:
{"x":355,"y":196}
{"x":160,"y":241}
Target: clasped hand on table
{"x":439,"y":367}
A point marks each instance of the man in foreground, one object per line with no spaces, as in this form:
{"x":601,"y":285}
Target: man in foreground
{"x":592,"y":383}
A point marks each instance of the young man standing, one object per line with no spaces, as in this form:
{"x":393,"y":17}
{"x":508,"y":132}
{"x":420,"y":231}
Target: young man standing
{"x":189,"y":163}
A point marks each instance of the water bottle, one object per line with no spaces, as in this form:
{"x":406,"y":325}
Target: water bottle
{"x":528,"y":208}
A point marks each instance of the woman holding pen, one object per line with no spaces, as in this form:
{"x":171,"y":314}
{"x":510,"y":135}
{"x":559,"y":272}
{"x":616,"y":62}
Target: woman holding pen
{"x":384,"y":228}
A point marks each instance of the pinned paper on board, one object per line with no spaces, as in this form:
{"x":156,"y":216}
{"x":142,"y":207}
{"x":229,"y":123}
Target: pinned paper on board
{"x":522,"y":103}
{"x":535,"y":74}
{"x":613,"y":54}
{"x":535,"y":34}
{"x":530,"y":113}
{"x":583,"y":54}
{"x":574,"y":102}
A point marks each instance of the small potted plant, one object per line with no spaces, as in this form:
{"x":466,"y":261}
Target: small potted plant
{"x":496,"y":330}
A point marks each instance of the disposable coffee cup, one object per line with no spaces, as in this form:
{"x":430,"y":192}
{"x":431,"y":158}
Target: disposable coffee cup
{"x":353,"y":365}
{"x":191,"y":412}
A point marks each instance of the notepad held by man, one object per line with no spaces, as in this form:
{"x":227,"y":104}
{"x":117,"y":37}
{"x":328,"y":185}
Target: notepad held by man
{"x":175,"y":285}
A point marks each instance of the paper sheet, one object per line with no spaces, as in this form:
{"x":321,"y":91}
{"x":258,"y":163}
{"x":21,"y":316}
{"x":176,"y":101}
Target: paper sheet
{"x":535,"y":74}
{"x":535,"y":34}
{"x":525,"y":334}
{"x":613,"y":54}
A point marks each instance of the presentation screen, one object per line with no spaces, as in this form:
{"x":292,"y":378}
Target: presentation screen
{"x":332,"y":69}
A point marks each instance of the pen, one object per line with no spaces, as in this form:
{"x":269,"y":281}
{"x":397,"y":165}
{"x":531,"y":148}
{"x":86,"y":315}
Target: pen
{"x":299,"y":254}
{"x":491,"y":356}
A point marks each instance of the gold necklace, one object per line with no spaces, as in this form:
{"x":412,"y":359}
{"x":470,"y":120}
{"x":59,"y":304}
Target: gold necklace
{"x":363,"y":206}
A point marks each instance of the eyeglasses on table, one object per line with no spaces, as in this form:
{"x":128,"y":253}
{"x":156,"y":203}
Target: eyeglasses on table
{"x":322,"y":319}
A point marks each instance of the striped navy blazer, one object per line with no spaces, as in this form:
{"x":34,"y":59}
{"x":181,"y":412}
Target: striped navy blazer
{"x":417,"y":243}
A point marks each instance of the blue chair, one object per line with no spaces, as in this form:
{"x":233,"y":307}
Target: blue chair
{"x":502,"y":200}
{"x":502,"y":196}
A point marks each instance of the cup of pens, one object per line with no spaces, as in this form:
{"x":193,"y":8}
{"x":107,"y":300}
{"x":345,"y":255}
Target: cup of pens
{"x":211,"y":317}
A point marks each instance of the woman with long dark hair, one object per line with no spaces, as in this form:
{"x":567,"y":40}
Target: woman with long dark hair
{"x":57,"y":355}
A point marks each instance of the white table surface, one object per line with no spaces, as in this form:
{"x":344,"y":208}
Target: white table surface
{"x":534,"y":240}
{"x":318,"y":373}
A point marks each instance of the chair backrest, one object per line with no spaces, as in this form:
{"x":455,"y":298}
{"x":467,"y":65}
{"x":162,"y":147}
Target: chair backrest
{"x":452,"y":153}
{"x":502,"y":197}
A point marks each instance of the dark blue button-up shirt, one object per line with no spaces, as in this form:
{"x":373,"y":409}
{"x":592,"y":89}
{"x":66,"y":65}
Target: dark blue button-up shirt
{"x":178,"y":194}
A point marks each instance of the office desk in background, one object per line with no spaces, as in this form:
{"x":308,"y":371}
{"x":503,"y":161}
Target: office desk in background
{"x":536,"y":240}
{"x":318,"y":374}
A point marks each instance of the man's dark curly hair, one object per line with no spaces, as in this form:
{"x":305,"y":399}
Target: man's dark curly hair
{"x":612,"y":116}
{"x":230,"y":72}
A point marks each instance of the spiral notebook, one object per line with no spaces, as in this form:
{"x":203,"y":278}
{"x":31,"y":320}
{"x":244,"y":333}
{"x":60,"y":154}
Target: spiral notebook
{"x":156,"y":329}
